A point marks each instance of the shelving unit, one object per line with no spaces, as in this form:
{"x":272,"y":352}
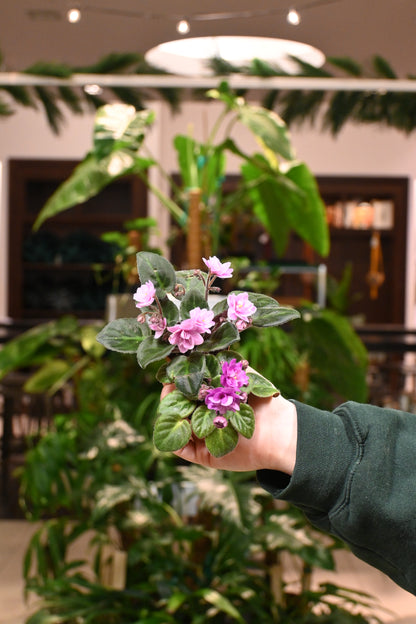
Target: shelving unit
{"x":54,"y":271}
{"x":352,"y":243}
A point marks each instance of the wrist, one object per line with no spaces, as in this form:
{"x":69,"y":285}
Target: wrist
{"x":280,"y":436}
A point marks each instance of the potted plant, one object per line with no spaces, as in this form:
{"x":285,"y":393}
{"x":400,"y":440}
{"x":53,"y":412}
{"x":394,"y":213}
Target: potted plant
{"x":283,"y":192}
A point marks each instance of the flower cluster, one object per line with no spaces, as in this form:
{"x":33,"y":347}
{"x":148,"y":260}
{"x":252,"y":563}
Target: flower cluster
{"x":228,"y":396}
{"x":190,"y":332}
{"x":193,"y":344}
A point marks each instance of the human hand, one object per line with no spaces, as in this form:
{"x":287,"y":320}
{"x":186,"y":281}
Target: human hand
{"x":272,"y":446}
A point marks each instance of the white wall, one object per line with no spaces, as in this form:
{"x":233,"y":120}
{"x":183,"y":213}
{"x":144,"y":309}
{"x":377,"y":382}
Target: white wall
{"x":358,"y":150}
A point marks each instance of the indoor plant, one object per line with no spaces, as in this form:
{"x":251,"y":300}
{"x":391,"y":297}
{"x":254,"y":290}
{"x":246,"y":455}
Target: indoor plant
{"x":283,"y":191}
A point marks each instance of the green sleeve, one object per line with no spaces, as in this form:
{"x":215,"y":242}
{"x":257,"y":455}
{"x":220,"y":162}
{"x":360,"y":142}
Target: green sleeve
{"x":355,"y":477}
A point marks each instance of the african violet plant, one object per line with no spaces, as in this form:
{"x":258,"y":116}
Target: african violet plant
{"x":176,"y":325}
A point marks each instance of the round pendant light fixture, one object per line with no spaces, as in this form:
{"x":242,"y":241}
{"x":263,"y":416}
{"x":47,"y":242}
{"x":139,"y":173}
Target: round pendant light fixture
{"x":191,"y":57}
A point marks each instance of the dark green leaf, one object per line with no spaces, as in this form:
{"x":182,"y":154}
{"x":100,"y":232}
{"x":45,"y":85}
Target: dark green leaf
{"x":226,"y":334}
{"x":176,"y":402}
{"x":192,"y":299}
{"x":171,"y":432}
{"x":202,"y":421}
{"x":259,"y":385}
{"x":189,"y":280}
{"x":243,"y":420}
{"x":170,"y":311}
{"x":212,"y":367}
{"x":222,"y":441}
{"x":151,"y":350}
{"x":269,"y":312}
{"x":162,"y":374}
{"x":158,"y":270}
{"x":123,"y":335}
{"x":187,"y":373}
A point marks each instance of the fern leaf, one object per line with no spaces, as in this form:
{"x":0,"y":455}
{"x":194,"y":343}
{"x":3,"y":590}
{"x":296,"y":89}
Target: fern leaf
{"x":70,"y":98}
{"x":383,"y":68}
{"x":347,"y":65}
{"x":114,"y":62}
{"x":42,"y":68}
{"x":53,"y":112}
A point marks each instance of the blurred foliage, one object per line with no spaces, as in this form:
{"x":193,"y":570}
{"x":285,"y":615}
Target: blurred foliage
{"x":196,"y":545}
{"x":334,"y":108}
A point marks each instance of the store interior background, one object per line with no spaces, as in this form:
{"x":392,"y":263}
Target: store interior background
{"x":34,"y":30}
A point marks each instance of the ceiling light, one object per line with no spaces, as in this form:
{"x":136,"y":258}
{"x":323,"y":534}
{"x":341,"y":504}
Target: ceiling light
{"x":93,"y":89}
{"x":73,"y":15}
{"x":293,"y":17}
{"x":183,"y":27}
{"x":191,"y":57}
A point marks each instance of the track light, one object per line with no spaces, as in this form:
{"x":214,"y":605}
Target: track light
{"x":183,"y":27}
{"x":293,"y":17}
{"x":73,"y":15}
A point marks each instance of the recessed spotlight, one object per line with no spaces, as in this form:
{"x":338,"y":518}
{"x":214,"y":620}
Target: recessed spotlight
{"x":183,"y":27}
{"x":293,"y":17}
{"x":73,"y":15}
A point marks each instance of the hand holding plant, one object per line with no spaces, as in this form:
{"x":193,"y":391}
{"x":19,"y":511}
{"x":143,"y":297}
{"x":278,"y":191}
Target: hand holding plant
{"x":177,"y":325}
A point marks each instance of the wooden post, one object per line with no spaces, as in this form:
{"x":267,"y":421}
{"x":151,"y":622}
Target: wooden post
{"x":194,"y":242}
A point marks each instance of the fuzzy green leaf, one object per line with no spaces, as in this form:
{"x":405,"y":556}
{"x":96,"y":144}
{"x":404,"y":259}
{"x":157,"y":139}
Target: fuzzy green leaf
{"x":212,"y":367}
{"x":269,"y":312}
{"x":226,"y":334}
{"x":259,"y":385}
{"x":202,"y":421}
{"x":171,"y":432}
{"x":158,"y":270}
{"x":192,"y":299}
{"x":222,"y":441}
{"x":176,"y":402}
{"x":170,"y":311}
{"x":243,"y":420}
{"x":123,"y":335}
{"x":187,"y":373}
{"x":190,"y":281}
{"x":151,"y":350}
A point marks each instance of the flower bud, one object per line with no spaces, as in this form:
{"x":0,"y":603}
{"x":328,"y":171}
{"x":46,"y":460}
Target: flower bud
{"x":220,"y":422}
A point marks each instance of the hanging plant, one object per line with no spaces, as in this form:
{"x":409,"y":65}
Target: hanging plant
{"x":393,"y":109}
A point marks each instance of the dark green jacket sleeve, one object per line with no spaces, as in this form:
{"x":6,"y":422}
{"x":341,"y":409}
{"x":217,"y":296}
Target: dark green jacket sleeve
{"x":355,"y":477}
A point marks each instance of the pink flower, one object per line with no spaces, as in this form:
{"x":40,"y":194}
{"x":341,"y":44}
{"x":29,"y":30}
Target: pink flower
{"x":203,"y":319}
{"x":158,"y":325}
{"x":233,"y":375}
{"x":220,"y":422}
{"x":185,"y":335}
{"x":222,"y":400}
{"x":240,"y":307}
{"x":220,"y":269}
{"x":145,"y":295}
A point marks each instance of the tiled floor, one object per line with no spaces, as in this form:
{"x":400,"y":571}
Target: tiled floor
{"x":15,"y":534}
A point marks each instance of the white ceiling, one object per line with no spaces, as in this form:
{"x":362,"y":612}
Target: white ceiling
{"x":36,"y":30}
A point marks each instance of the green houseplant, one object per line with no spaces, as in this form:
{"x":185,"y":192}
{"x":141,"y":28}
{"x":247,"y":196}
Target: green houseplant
{"x":283,"y":192}
{"x":165,"y":542}
{"x":169,"y":542}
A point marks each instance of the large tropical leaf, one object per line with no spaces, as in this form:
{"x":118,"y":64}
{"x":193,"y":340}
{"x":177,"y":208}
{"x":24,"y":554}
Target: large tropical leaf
{"x":289,"y":201}
{"x":118,"y":133}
